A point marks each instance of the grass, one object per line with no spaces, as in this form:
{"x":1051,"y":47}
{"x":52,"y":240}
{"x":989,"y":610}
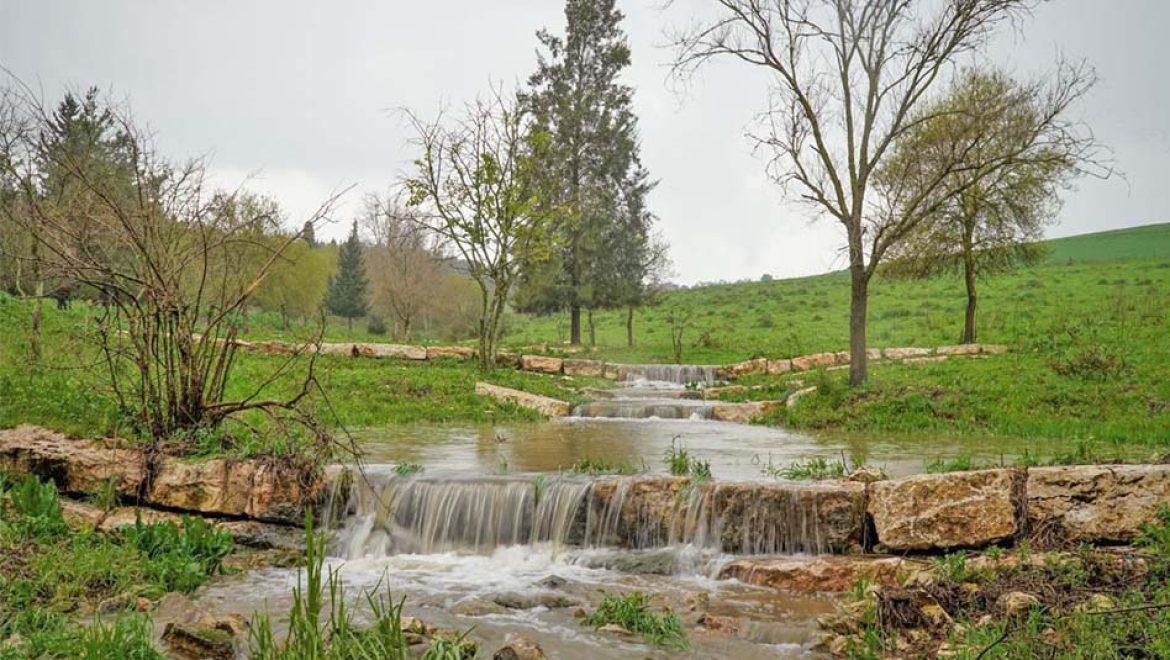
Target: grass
{"x":52,"y":573}
{"x":632,"y":612}
{"x":1124,"y":271}
{"x":68,"y":390}
{"x":681,"y":463}
{"x":816,"y":468}
{"x":599,"y":466}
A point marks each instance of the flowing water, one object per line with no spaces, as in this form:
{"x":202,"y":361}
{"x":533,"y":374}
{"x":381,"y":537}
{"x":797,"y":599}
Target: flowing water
{"x":495,"y":522}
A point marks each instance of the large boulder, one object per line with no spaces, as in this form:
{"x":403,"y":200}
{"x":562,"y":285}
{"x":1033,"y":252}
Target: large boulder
{"x":542,"y":404}
{"x":76,"y":466}
{"x":807,"y":575}
{"x":542,"y":364}
{"x":951,"y":510}
{"x":251,"y":489}
{"x":1096,"y":502}
{"x":585,"y":368}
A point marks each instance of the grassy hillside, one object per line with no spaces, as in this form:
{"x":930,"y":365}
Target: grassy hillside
{"x":1119,"y":274}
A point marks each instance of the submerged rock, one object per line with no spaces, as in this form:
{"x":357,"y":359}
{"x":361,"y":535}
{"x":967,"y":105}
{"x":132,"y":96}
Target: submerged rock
{"x":477,"y":607}
{"x":521,"y":601}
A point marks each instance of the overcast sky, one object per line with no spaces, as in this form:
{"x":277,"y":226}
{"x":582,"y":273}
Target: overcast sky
{"x":302,"y":95}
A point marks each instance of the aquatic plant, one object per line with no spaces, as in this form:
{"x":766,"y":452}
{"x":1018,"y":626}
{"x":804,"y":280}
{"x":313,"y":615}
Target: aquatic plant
{"x":632,"y":612}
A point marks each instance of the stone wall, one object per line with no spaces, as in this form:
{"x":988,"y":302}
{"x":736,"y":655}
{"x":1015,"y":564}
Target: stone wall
{"x":545,"y":364}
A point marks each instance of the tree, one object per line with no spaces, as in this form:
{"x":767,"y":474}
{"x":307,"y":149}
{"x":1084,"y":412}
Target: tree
{"x":850,"y":77}
{"x":152,"y":244}
{"x":346,"y":294}
{"x":404,"y":263}
{"x":1028,"y":151}
{"x":474,"y":186}
{"x":593,"y":181}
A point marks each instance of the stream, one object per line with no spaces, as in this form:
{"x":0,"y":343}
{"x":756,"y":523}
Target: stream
{"x":495,"y":536}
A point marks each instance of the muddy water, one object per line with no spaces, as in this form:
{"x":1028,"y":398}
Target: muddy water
{"x":468,"y":529}
{"x":771,"y":624}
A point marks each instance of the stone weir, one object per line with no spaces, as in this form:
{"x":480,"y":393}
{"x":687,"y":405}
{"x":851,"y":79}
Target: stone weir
{"x":391,"y":514}
{"x":424,"y":513}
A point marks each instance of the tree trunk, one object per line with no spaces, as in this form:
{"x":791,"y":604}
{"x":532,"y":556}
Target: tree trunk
{"x":969,"y":276}
{"x":630,"y":327}
{"x":858,"y":304}
{"x":34,"y":340}
{"x":575,"y":325}
{"x":592,"y":330}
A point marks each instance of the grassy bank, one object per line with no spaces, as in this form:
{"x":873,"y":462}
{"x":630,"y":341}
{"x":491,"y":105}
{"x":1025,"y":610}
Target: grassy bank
{"x":68,"y":389}
{"x":1115,"y":276}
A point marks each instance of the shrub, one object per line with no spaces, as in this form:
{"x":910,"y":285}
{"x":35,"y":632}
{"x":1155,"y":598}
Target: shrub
{"x":376,"y":325}
{"x":182,"y":557}
{"x":38,"y":507}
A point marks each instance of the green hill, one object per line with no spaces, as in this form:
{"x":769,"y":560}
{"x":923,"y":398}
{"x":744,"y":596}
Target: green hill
{"x":1108,"y":276}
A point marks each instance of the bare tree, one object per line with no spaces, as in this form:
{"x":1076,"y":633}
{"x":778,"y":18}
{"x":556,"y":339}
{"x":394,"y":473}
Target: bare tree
{"x":173,"y":263}
{"x":849,"y":77}
{"x":474,"y":186}
{"x":1026,"y":150}
{"x":404,"y":264}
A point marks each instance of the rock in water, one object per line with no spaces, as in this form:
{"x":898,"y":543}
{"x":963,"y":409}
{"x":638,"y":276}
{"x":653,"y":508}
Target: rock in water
{"x":520,"y":648}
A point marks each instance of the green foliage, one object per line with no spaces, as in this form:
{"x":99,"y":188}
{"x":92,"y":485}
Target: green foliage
{"x":957,"y":464}
{"x":817,"y":468}
{"x":680,"y":463}
{"x":951,"y":567}
{"x":407,"y":469}
{"x":596,"y":466}
{"x":346,"y":295}
{"x":183,"y":557}
{"x":129,"y":638}
{"x":37,"y":507}
{"x":632,"y":612}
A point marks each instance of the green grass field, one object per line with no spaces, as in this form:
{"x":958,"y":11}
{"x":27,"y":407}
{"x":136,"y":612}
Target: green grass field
{"x":1118,"y":275}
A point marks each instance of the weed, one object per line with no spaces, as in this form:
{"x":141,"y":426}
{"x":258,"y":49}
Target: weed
{"x":680,"y":463}
{"x":183,"y":557}
{"x":816,"y":468}
{"x":407,"y":469}
{"x":962,"y":463}
{"x":596,"y":466}
{"x":632,"y":612}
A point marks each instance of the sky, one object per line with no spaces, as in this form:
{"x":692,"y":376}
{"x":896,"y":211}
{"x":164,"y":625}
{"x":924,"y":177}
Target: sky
{"x":300,"y":99}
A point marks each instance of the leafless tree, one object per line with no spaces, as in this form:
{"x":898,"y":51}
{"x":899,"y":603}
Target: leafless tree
{"x":474,"y":187}
{"x":404,"y":264}
{"x":848,"y":79}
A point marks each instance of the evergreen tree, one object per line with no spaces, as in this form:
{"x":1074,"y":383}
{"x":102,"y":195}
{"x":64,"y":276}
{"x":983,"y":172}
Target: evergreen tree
{"x":594,"y":185}
{"x":346,"y":296}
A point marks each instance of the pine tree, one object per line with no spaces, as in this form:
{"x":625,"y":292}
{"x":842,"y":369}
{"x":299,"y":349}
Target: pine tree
{"x":346,"y":296}
{"x":593,"y":177}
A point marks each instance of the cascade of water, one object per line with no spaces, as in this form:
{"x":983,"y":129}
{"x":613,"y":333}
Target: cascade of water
{"x":679,"y":374}
{"x":644,"y":409}
{"x":421,"y":515}
{"x":392,"y":514}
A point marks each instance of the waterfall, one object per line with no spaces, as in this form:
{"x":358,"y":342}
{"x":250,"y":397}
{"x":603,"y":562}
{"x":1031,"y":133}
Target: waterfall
{"x":679,"y":374}
{"x":391,"y":514}
{"x":644,"y":409}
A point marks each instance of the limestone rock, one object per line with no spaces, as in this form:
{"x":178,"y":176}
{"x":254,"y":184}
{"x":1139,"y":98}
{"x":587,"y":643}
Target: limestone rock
{"x":77,"y":466}
{"x":951,"y":510}
{"x":196,"y":643}
{"x":756,"y":367}
{"x":743,"y":413}
{"x":933,"y":359}
{"x":1016,"y":602}
{"x":1095,"y":503}
{"x":903,"y":353}
{"x":796,"y":396}
{"x":584,"y":368}
{"x":777,"y":367}
{"x":520,"y":648}
{"x":826,"y":574}
{"x":815,"y":361}
{"x":993,"y":349}
{"x":527,"y":601}
{"x":866,"y":475}
{"x":453,"y":352}
{"x":542,"y":404}
{"x":508,"y":359}
{"x":237,"y":488}
{"x":393,"y":351}
{"x":960,"y":349}
{"x":541,"y":364}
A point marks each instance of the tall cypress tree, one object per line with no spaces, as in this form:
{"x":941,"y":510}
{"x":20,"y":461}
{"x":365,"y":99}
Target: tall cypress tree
{"x":593,"y":177}
{"x":346,"y":296}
